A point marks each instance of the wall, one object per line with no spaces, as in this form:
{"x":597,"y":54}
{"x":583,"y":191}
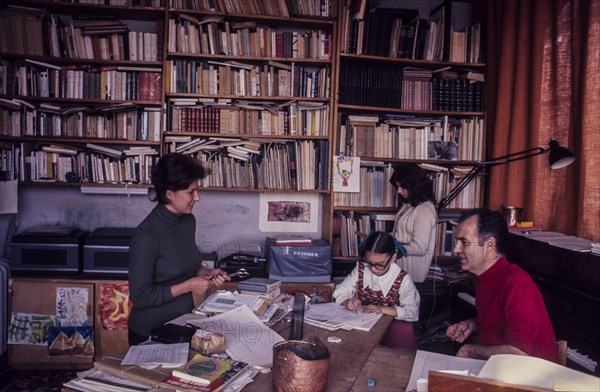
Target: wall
{"x":227,"y":222}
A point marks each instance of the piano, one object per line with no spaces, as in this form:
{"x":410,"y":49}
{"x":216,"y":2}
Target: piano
{"x":570,"y":284}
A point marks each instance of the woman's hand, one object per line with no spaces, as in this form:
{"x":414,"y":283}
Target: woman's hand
{"x":200,"y":284}
{"x":217,"y":275}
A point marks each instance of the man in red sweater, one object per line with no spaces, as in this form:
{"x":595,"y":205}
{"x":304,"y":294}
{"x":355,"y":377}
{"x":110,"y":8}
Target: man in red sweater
{"x":511,"y":314}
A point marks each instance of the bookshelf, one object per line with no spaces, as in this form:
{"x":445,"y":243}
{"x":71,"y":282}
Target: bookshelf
{"x":243,"y":86}
{"x":81,"y":94}
{"x":411,"y":89}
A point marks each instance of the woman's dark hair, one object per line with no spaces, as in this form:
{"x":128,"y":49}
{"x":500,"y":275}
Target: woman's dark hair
{"x":411,"y":177}
{"x":175,"y":172}
{"x":490,"y":224}
{"x":379,"y":242}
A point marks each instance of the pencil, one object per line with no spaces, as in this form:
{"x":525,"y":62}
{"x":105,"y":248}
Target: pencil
{"x":356,"y":295}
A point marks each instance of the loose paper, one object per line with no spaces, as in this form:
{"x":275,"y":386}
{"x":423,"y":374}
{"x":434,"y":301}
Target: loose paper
{"x":9,"y":197}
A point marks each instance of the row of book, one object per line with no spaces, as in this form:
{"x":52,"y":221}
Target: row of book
{"x":412,"y":89}
{"x":401,"y":33}
{"x":350,"y":228}
{"x":295,"y":118}
{"x":375,"y":188}
{"x":55,"y":163}
{"x":37,"y":79}
{"x":300,"y":165}
{"x":121,"y":3}
{"x":411,"y":138}
{"x":445,"y":179}
{"x":232,"y":78}
{"x":34,"y":32}
{"x":124,"y":122}
{"x":212,"y":35}
{"x":281,"y":8}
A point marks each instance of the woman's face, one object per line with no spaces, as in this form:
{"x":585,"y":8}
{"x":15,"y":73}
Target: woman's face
{"x":182,"y":202}
{"x":403,"y":192}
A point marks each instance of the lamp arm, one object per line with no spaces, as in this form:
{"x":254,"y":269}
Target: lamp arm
{"x":517,"y":156}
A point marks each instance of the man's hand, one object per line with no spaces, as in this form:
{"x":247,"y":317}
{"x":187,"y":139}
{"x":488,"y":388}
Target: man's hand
{"x":459,"y":332}
{"x":481,"y":351}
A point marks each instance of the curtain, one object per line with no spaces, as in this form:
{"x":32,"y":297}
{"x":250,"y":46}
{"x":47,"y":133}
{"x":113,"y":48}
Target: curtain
{"x":543,"y":83}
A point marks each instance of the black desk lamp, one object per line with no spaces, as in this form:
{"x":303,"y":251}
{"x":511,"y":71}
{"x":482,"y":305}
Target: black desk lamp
{"x":559,"y":158}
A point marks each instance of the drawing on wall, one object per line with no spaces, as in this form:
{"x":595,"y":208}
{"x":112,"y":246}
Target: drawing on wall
{"x":27,"y":328}
{"x":346,"y":174}
{"x":71,"y":306}
{"x":66,"y":341}
{"x":115,"y":305}
{"x":288,"y":212}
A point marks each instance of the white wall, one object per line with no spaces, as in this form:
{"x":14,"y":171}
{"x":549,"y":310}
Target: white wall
{"x":227,"y":222}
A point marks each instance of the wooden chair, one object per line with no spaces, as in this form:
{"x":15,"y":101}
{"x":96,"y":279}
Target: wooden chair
{"x":562,"y":352}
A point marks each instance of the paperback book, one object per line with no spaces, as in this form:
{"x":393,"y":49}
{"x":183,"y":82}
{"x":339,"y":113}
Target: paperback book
{"x":202,"y":373}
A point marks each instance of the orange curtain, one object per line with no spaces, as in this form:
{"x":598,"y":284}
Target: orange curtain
{"x":543,"y":83}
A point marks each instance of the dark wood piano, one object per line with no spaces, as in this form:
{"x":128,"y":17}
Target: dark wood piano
{"x":570,"y":284}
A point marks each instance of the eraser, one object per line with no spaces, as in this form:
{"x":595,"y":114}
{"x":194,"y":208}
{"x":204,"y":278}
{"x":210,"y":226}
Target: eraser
{"x":334,"y":339}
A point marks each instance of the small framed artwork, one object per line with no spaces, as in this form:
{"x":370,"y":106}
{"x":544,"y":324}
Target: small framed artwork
{"x":346,"y":174}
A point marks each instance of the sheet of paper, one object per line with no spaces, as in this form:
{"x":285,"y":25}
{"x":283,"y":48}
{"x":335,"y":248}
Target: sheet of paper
{"x":223,"y":301}
{"x":248,"y":339}
{"x":426,"y":361}
{"x":162,"y":354}
{"x":336,"y":315}
{"x":540,"y":373}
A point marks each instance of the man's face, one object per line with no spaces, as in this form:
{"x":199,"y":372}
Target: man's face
{"x":472,"y":255}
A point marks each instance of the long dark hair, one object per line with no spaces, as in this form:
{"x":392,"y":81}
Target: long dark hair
{"x":175,"y":172}
{"x":411,"y":177}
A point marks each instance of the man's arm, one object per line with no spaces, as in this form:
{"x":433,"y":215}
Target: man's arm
{"x":480,"y":351}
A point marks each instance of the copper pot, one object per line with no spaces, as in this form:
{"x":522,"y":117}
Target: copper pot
{"x":300,"y":366}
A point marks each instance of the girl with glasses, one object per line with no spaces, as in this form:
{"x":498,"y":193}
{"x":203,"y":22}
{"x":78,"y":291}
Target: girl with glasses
{"x":378,"y":285}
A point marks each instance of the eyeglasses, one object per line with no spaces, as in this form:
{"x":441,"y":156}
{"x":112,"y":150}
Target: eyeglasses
{"x":377,"y":266}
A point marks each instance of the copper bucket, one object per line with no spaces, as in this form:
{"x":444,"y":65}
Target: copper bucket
{"x":300,"y":366}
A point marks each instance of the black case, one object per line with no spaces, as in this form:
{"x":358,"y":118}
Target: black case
{"x":172,"y":333}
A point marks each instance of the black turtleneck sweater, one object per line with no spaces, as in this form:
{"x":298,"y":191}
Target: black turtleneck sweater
{"x":162,"y":253}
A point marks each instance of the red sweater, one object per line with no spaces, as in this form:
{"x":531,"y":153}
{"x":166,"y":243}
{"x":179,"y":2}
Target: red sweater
{"x":511,"y":310}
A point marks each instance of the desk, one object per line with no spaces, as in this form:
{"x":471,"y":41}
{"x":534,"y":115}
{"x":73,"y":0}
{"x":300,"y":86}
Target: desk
{"x":355,"y":359}
{"x":347,"y":357}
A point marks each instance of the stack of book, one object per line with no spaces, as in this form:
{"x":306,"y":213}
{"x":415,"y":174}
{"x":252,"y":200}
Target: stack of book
{"x":203,"y":373}
{"x":269,"y":289}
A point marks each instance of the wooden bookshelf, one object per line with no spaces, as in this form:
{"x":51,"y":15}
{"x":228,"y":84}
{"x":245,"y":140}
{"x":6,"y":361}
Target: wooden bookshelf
{"x":409,"y":100}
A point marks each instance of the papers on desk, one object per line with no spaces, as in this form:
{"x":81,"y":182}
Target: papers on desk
{"x":426,"y":361}
{"x":505,"y":368}
{"x":331,"y":316}
{"x":560,"y":240}
{"x":540,"y":373}
{"x":223,"y":301}
{"x":248,"y":339}
{"x":166,"y":355}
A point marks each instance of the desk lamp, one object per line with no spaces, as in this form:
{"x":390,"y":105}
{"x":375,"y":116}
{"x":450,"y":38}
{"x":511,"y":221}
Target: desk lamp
{"x":559,"y":158}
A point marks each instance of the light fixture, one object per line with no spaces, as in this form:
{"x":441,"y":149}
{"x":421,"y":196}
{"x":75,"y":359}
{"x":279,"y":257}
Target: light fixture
{"x":113,"y":190}
{"x":559,"y":158}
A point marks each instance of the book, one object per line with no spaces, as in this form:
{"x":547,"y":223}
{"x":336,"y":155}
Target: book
{"x":263,"y":285}
{"x":202,"y":369}
{"x":235,"y":370}
{"x":292,"y":239}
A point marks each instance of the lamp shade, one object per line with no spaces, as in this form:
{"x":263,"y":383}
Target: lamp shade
{"x":559,"y":156}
